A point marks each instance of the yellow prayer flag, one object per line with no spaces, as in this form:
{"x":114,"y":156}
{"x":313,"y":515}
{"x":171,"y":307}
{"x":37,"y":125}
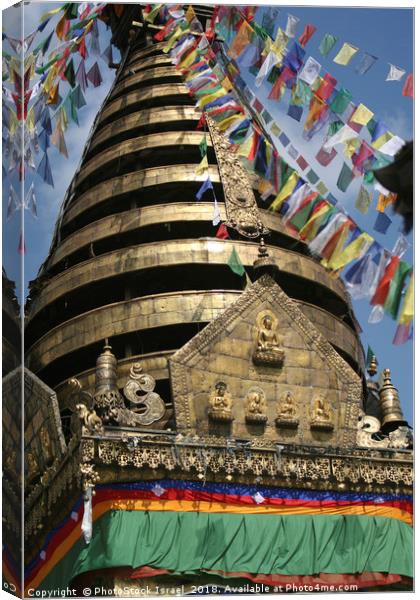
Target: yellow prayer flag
{"x":242,"y":38}
{"x":351,"y":146}
{"x":49,"y":81}
{"x":338,"y":248}
{"x":407,"y":311}
{"x":285,"y":192}
{"x":264,"y":186}
{"x":223,"y":125}
{"x":49,"y":14}
{"x":226,"y":83}
{"x":384,"y":201}
{"x":206,"y":99}
{"x":280,"y":43}
{"x":190,"y":14}
{"x":59,"y":30}
{"x":30,"y":120}
{"x":345,"y":54}
{"x":245,"y":148}
{"x":202,"y":167}
{"x":310,"y":229}
{"x":351,"y":252}
{"x":53,"y":95}
{"x":171,"y":41}
{"x":186,"y":62}
{"x":383,"y":139}
{"x":362,"y":115}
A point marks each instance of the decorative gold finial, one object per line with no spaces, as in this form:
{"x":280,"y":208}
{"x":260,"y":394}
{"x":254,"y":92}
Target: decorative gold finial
{"x":373,"y":366}
{"x":390,"y":401}
{"x":264,"y":262}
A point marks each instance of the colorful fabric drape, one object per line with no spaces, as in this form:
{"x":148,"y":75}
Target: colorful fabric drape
{"x":193,"y":527}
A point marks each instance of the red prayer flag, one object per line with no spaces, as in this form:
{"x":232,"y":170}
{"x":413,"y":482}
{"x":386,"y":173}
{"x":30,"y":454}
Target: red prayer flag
{"x":382,"y":290}
{"x":222,"y":232}
{"x":307,"y":34}
{"x":408,"y":86}
{"x":201,"y":122}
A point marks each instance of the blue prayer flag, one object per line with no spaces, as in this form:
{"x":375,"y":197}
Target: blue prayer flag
{"x":206,"y":185}
{"x":382,"y":223}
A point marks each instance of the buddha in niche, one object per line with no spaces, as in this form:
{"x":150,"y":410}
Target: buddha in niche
{"x":220,"y":403}
{"x":268,"y":351}
{"x":287,"y":413}
{"x":321,"y":417}
{"x":256,"y":406}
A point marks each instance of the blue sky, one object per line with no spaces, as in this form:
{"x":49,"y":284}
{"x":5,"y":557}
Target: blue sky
{"x":385,"y":33}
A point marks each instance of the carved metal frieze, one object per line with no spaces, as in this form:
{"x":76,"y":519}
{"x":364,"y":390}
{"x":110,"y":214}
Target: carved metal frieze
{"x":241,"y":207}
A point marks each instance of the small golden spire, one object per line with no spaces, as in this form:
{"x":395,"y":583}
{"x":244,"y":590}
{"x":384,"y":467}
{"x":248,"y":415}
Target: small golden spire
{"x":373,"y":366}
{"x":264,"y":263}
{"x":390,"y":401}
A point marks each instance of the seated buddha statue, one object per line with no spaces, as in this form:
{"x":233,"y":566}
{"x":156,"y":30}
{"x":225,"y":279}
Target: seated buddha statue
{"x":256,"y":406}
{"x":321,"y":414}
{"x":287,"y":411}
{"x":220,"y":403}
{"x":268,"y":349}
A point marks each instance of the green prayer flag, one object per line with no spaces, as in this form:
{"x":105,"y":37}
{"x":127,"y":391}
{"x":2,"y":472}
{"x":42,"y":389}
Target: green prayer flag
{"x":341,"y":101}
{"x":235,"y":263}
{"x":69,"y":74}
{"x":363,"y":201}
{"x":334,"y":127}
{"x":302,"y":216}
{"x":345,"y":178}
{"x":312,"y":177}
{"x":371,"y":126}
{"x":302,"y":93}
{"x":328,"y":42}
{"x":393,"y":299}
{"x":368,"y":178}
{"x":203,"y":146}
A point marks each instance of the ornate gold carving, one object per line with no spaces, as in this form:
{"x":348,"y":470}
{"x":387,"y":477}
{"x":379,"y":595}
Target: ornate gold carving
{"x":256,"y":406}
{"x":150,"y":406}
{"x":92,"y":424}
{"x":46,"y":445}
{"x":241,"y":208}
{"x":32,"y":467}
{"x":220,"y":403}
{"x":265,"y":291}
{"x":268,"y":351}
{"x":322,"y":414}
{"x":287,"y":412}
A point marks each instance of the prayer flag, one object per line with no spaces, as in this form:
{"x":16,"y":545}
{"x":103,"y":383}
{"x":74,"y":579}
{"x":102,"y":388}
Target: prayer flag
{"x":382,"y":223}
{"x":393,"y":299}
{"x":368,"y":60}
{"x":270,"y":61}
{"x":392,"y":146}
{"x":295,"y":112}
{"x":408,"y":86}
{"x":402,"y":335}
{"x":312,"y":177}
{"x":362,"y":115}
{"x":385,"y":200}
{"x":69,"y":73}
{"x":285,"y":191}
{"x":395,"y":73}
{"x":216,"y":213}
{"x":242,"y":39}
{"x":310,"y":71}
{"x":94,"y":75}
{"x":44,"y":170}
{"x":13,"y":203}
{"x":206,"y":185}
{"x":202,"y":167}
{"x":352,"y":251}
{"x":30,"y":201}
{"x":342,"y":136}
{"x":364,"y":199}
{"x":345,"y":177}
{"x":327,"y":43}
{"x":302,"y":163}
{"x":341,"y":101}
{"x":345,"y":55}
{"x":222,"y":232}
{"x":203,"y":145}
{"x":407,"y":311}
{"x":235,"y":263}
{"x":21,"y":246}
{"x":291,"y":26}
{"x":307,"y":34}
{"x":324,"y":157}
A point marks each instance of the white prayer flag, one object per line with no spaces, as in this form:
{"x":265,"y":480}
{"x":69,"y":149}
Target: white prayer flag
{"x":395,"y":73}
{"x":270,"y":61}
{"x":343,"y":135}
{"x":392,"y":146}
{"x":310,"y":71}
{"x":291,"y":26}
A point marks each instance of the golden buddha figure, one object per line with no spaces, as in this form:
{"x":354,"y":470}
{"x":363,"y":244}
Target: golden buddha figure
{"x":256,"y":406}
{"x":268,"y":351}
{"x":321,"y":414}
{"x":220,"y":403}
{"x":287,"y":413}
